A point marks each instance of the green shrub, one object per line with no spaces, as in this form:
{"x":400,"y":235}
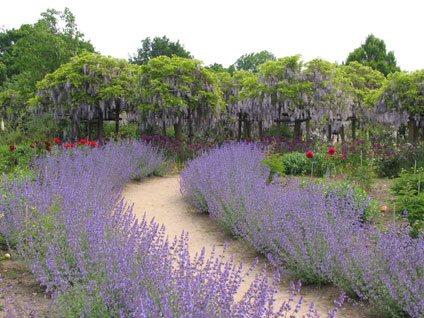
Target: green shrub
{"x":410,"y":198}
{"x":362,"y":175}
{"x":275,"y":164}
{"x":16,"y":161}
{"x":398,"y":158}
{"x":296,"y":163}
{"x":412,"y":208}
{"x":409,"y":183}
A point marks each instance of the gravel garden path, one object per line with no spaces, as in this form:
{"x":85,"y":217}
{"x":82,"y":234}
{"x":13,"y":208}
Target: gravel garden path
{"x":160,"y":197}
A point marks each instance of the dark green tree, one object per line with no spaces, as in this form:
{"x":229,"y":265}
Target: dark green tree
{"x":251,"y":61}
{"x":157,"y":47}
{"x":29,"y":53}
{"x":373,"y":53}
{"x":41,"y":48}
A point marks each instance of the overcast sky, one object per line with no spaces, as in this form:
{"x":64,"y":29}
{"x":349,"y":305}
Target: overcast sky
{"x":222,"y":30}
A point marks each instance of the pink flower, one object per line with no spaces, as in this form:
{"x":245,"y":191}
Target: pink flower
{"x":331,"y":150}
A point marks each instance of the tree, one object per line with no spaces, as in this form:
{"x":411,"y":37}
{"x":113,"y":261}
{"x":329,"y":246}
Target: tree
{"x":89,"y":87}
{"x":400,"y":100}
{"x":176,"y":90}
{"x":158,"y":47}
{"x":217,"y":68}
{"x":373,"y":53}
{"x":251,"y":61}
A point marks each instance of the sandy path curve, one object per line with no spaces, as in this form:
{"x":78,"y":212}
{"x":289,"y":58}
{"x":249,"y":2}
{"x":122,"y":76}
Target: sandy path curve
{"x":160,"y":197}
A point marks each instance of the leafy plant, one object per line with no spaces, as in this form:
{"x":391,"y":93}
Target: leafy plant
{"x":410,"y":198}
{"x":275,"y":164}
{"x":297,"y":163}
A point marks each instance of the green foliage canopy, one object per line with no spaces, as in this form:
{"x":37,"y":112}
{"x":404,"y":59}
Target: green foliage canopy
{"x":172,"y":88}
{"x":89,"y":85}
{"x":401,"y":97}
{"x":285,"y":88}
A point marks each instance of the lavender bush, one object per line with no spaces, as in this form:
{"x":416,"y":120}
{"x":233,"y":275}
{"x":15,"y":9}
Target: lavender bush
{"x":85,"y":246}
{"x":309,"y":230}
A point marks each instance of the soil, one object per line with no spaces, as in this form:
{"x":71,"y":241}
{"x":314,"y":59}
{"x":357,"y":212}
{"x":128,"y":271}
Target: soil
{"x":20,"y":290}
{"x":160,"y":198}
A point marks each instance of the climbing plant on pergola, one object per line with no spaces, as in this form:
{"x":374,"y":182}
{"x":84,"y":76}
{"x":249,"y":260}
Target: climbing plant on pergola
{"x":364,"y":81}
{"x":91,"y":87}
{"x":177,"y":91}
{"x":330,"y":102}
{"x":286,"y":91}
{"x":400,"y":100}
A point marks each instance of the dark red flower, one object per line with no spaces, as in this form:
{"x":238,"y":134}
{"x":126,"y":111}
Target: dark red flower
{"x":48,"y":144}
{"x":331,"y":150}
{"x":57,"y":141}
{"x":12,"y":147}
{"x":32,"y":146}
{"x":310,"y":154}
{"x":48,"y":148}
{"x":342,"y":156}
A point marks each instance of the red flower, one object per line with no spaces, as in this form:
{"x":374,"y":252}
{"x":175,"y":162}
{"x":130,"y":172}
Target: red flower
{"x":92,"y":143}
{"x":331,"y":150}
{"x":310,"y":154}
{"x":48,"y":144}
{"x":48,"y":148}
{"x":82,"y":141}
{"x":12,"y":148}
{"x":69,"y":145}
{"x":328,"y":157}
{"x":57,"y":141}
